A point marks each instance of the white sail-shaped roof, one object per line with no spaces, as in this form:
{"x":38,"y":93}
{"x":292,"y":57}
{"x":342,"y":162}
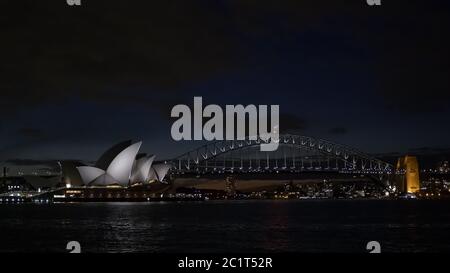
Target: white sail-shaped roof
{"x":104,"y":180}
{"x":124,"y":168}
{"x":159,"y":171}
{"x":141,"y":169}
{"x":121,"y":166}
{"x":88,"y":174}
{"x":107,"y":157}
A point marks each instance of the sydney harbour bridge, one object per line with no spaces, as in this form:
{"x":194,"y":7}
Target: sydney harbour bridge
{"x":297,"y":157}
{"x":295,"y":154}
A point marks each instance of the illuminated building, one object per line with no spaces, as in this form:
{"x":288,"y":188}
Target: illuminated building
{"x":408,"y":168}
{"x":444,"y":167}
{"x":120,"y":166}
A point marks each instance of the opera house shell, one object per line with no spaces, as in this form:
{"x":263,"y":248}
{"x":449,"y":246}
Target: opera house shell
{"x":122,"y":165}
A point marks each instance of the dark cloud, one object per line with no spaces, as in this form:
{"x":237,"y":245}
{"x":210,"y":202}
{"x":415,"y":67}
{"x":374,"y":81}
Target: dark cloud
{"x":338,"y":131}
{"x":31,"y":133}
{"x":105,"y":52}
{"x":164,"y":107}
{"x":132,"y":53}
{"x":430,"y":150}
{"x":290,"y":123}
{"x":29,"y":162}
{"x":414,"y":59}
{"x":421,"y":151}
{"x":428,"y":157}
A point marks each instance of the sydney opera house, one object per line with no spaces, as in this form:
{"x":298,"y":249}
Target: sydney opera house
{"x":120,"y":174}
{"x":120,"y":166}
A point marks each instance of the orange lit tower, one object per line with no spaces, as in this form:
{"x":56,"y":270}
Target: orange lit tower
{"x":409,"y":167}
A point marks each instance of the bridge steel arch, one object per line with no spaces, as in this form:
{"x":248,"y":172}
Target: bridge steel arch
{"x":323,"y":156}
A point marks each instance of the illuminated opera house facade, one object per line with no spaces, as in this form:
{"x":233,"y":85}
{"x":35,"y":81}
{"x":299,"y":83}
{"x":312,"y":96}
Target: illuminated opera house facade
{"x":120,"y":172}
{"x":122,"y":166}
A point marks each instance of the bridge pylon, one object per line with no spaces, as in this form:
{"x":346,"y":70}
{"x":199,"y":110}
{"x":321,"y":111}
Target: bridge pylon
{"x":407,"y":172}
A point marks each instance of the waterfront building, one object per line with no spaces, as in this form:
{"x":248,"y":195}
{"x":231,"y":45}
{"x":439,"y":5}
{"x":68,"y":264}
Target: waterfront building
{"x":121,"y":165}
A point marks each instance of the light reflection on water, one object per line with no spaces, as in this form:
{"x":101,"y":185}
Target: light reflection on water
{"x":228,"y":226}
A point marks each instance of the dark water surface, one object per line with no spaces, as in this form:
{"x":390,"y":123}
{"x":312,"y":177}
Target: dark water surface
{"x":228,"y":226}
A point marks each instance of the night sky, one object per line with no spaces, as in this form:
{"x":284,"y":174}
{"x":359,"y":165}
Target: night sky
{"x":76,"y":80}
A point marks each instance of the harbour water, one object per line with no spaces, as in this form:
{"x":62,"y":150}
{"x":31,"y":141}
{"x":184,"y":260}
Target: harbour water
{"x":228,"y":226}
